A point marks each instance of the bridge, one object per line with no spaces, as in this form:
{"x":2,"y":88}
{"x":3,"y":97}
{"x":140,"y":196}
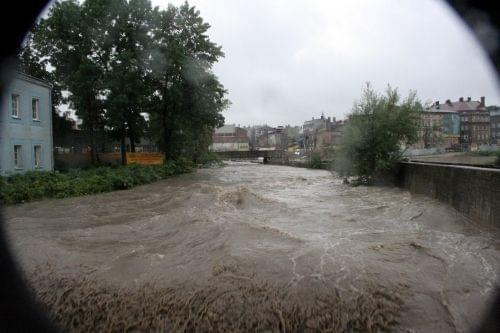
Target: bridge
{"x":267,"y":155}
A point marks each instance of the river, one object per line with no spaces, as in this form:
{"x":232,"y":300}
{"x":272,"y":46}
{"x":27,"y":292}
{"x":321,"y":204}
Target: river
{"x":297,"y":230}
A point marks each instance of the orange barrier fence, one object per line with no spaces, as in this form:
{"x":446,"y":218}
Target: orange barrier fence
{"x":146,"y":158}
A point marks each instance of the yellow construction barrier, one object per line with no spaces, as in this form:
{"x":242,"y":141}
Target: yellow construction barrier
{"x":146,"y":158}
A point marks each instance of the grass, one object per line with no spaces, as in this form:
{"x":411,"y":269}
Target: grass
{"x":484,"y":153}
{"x":487,"y":153}
{"x":32,"y":186}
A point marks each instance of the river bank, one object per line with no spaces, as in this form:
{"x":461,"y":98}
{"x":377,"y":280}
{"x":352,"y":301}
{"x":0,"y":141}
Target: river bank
{"x":207,"y":248}
{"x":38,"y":185}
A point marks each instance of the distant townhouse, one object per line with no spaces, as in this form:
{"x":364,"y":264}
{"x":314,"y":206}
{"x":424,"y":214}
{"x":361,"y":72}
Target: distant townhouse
{"x":440,"y":128}
{"x":271,"y":138}
{"x":322,"y":132}
{"x":230,"y":138}
{"x":25,"y":125}
{"x":495,"y":124}
{"x":474,"y":120}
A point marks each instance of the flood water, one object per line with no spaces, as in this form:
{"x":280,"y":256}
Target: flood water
{"x":291,"y":227}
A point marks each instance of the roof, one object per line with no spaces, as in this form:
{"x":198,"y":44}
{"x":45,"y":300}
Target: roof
{"x":458,"y":106}
{"x":434,"y":110}
{"x":226,"y":129}
{"x":32,"y":79}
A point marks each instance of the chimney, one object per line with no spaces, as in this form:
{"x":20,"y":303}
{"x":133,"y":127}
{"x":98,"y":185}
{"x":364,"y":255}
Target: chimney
{"x":461,"y":99}
{"x":448,"y":102}
{"x":437,"y":103}
{"x":483,"y":101}
{"x":468,"y":99}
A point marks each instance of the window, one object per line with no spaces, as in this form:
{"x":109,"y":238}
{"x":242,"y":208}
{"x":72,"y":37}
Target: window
{"x":38,"y":156}
{"x":34,"y":108}
{"x":15,"y":105}
{"x":18,"y":158}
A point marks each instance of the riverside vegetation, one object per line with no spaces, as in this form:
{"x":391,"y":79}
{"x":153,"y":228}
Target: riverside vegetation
{"x":35,"y":185}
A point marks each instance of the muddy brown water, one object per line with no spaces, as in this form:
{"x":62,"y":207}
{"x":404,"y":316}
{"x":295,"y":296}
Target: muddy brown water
{"x":295,"y":228}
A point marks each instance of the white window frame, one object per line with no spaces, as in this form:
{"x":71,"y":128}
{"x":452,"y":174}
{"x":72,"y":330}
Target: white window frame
{"x":17,"y":98}
{"x":37,"y":158}
{"x":36,"y":111}
{"x":18,"y":156}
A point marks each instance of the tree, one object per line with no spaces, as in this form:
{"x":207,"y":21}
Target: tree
{"x":378,"y":128}
{"x":30,"y":62}
{"x":125,"y":79}
{"x":188,"y":98}
{"x":75,"y":40}
{"x":121,"y":60}
{"x":431,"y":135}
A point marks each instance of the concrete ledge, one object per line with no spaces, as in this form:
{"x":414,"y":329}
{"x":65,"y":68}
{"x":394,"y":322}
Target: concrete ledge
{"x":473,"y":191}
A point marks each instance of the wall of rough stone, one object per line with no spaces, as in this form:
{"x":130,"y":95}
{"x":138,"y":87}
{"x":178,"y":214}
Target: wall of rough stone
{"x":473,"y":191}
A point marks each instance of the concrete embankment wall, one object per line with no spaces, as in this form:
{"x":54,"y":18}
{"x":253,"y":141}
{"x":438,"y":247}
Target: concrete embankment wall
{"x":473,"y":191}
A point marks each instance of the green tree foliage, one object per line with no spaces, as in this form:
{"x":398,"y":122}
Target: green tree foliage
{"x":128,"y":90}
{"x":31,"y":63}
{"x":75,"y":40}
{"x":188,"y":98}
{"x":132,"y":69}
{"x":379,"y":128}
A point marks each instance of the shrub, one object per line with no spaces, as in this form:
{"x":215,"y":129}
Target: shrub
{"x":497,"y":160}
{"x":314,"y":162}
{"x":33,"y":185}
{"x":210,"y":159}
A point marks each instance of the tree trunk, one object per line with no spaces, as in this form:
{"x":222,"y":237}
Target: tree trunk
{"x":93,"y":150}
{"x":132,"y":144}
{"x":166,"y":131}
{"x":123,"y":150}
{"x":94,"y":158}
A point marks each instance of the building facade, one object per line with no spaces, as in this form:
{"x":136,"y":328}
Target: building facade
{"x":495,"y":125}
{"x":439,"y":129}
{"x":25,"y":125}
{"x":230,"y":138}
{"x":474,"y":120}
{"x":322,"y":133}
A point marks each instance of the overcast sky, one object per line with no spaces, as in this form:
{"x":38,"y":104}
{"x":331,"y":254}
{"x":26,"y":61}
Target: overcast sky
{"x":287,"y":61}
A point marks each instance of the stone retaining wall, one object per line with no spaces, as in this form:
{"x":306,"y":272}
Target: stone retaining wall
{"x":473,"y":191}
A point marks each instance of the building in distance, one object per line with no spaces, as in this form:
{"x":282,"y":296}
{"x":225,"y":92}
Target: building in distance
{"x":229,"y":138}
{"x":495,"y":124}
{"x":460,"y":125}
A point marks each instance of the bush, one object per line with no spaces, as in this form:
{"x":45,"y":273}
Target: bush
{"x":314,"y":162}
{"x":33,"y":185}
{"x":209,"y":159}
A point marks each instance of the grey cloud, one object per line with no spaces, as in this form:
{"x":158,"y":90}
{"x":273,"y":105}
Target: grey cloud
{"x":287,"y":61}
